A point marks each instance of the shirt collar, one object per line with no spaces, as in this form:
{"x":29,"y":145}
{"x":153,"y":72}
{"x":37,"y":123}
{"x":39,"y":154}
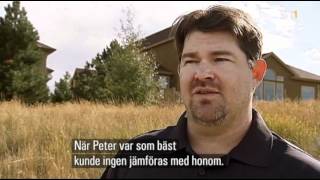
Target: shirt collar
{"x":254,"y":149}
{"x":181,"y":134}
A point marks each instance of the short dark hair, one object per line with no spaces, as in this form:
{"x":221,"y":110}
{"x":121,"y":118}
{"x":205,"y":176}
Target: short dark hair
{"x":221,"y":18}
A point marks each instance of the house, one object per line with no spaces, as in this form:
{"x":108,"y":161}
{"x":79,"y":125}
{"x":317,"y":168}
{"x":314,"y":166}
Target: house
{"x":47,"y":50}
{"x":281,"y":80}
{"x":77,"y":74}
{"x":43,"y":63}
{"x":284,"y":81}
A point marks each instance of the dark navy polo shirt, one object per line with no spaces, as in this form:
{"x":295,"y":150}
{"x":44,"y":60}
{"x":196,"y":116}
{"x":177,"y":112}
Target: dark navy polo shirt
{"x":260,"y":154}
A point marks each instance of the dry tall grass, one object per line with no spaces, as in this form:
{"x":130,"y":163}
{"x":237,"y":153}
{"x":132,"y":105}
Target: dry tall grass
{"x":36,"y":141}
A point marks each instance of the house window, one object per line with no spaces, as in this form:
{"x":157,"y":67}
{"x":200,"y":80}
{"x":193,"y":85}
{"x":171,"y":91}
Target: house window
{"x":272,"y":87}
{"x":269,"y":90}
{"x":164,"y":81}
{"x":318,"y":91}
{"x":307,"y":92}
{"x":279,"y":91}
{"x":273,"y":90}
{"x":270,"y":75}
{"x":259,"y":92}
{"x":49,"y":76}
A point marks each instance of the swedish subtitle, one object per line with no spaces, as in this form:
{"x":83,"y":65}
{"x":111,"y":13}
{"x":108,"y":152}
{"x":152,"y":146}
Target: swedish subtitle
{"x":94,"y":153}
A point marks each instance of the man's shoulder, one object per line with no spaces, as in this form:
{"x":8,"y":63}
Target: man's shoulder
{"x":293,"y":158}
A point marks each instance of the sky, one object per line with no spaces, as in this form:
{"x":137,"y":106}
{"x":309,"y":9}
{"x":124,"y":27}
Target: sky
{"x":80,"y":30}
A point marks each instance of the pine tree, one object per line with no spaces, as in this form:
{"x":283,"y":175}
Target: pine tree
{"x":20,"y":73}
{"x":62,"y":91}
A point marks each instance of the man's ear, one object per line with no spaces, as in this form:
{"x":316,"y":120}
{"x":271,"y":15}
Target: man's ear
{"x":259,"y":69}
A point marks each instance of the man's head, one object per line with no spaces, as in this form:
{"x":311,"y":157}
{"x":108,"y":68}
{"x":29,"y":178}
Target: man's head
{"x":220,"y":66}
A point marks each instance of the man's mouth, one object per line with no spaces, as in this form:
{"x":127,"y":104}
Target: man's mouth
{"x":205,"y":91}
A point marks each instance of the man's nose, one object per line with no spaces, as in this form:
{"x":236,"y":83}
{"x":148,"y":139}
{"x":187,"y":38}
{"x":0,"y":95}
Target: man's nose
{"x":204,"y":72}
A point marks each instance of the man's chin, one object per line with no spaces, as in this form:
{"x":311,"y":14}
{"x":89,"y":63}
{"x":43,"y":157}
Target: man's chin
{"x":207,"y":112}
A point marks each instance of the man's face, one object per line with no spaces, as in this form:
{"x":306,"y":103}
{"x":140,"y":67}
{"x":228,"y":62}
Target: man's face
{"x":215,"y":78}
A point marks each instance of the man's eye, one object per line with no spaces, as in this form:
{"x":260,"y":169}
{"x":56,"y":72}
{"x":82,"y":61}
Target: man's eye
{"x":221,"y":59}
{"x":190,"y":61}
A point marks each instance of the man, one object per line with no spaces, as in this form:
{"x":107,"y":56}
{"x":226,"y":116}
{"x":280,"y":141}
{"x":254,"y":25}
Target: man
{"x":220,"y":67}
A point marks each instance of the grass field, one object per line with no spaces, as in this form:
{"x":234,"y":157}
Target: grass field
{"x":36,"y":141}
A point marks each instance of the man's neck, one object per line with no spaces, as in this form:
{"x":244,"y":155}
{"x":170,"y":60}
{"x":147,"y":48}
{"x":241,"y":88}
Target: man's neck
{"x":220,"y":139}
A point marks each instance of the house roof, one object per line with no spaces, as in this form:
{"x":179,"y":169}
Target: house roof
{"x":267,"y":55}
{"x":157,"y":38}
{"x":49,"y":70}
{"x":49,"y":50}
{"x":46,"y":47}
{"x":79,"y":71}
{"x":297,"y":73}
{"x":304,"y":74}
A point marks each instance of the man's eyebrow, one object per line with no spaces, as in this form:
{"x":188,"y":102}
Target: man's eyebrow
{"x":190,"y":55}
{"x":222,"y":52}
{"x":213,"y":53}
